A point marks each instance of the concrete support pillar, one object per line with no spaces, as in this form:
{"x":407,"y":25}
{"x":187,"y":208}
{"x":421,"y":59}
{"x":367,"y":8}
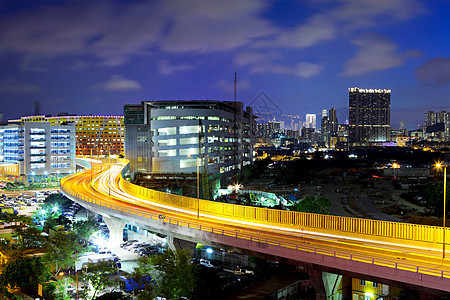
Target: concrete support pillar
{"x":175,"y":244}
{"x":115,"y":226}
{"x":317,"y":281}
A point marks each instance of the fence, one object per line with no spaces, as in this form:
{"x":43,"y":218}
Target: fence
{"x":385,"y":231}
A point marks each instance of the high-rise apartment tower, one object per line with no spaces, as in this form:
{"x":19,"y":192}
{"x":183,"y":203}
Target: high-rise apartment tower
{"x":369,"y":115}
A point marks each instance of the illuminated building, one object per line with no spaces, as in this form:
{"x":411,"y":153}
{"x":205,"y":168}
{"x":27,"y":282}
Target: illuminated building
{"x":96,"y":133}
{"x":310,"y":121}
{"x":437,"y":126}
{"x":168,"y":136}
{"x":369,"y":115}
{"x":40,"y":149}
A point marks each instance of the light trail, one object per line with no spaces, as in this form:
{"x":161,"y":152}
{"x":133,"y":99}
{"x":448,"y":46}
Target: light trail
{"x":105,"y":186}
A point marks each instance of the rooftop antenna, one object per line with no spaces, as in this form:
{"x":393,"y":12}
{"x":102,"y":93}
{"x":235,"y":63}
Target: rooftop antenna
{"x":37,"y":108}
{"x":235,"y":87}
{"x":235,"y":133}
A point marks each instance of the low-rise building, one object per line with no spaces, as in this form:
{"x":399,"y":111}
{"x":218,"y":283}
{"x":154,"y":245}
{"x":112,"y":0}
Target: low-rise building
{"x":40,"y":150}
{"x":96,"y":135}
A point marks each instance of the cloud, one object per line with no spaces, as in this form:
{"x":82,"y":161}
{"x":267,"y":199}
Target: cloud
{"x":114,"y":32}
{"x":435,"y":71}
{"x":119,"y":83}
{"x":13,"y":86}
{"x":376,"y":52}
{"x":302,"y":69}
{"x":228,"y":86}
{"x":166,"y":68}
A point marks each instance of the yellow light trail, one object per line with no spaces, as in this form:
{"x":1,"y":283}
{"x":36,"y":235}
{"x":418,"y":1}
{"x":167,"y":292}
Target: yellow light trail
{"x":388,"y":253}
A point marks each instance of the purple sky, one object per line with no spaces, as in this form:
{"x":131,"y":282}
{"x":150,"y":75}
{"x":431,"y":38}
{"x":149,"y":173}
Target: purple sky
{"x":92,"y":57}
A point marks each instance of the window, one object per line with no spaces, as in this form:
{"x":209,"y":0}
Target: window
{"x":168,"y":142}
{"x":167,"y":131}
{"x":37,"y":166}
{"x":189,"y":151}
{"x":213,"y":139}
{"x":188,"y":163}
{"x":164,"y":153}
{"x":187,"y":141}
{"x":166,"y":118}
{"x":375,"y":284}
{"x":363,"y":282}
{"x":37,"y":151}
{"x":37,"y":130}
{"x":37,"y":159}
{"x":142,"y":139}
{"x":37,"y":144}
{"x":190,"y":129}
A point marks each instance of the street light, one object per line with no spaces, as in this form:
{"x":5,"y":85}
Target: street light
{"x":444,"y":166}
{"x":395,"y":166}
{"x":198,"y":185}
{"x":198,"y":188}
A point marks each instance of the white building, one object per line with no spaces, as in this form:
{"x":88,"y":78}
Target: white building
{"x":310,"y":121}
{"x":40,"y":149}
{"x":168,"y":136}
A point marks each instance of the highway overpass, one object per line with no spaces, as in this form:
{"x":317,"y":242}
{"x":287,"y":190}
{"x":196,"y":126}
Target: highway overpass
{"x":385,"y":252}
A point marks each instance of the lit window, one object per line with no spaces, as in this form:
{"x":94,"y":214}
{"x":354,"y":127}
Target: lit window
{"x":187,"y":141}
{"x":189,"y":151}
{"x":168,"y":142}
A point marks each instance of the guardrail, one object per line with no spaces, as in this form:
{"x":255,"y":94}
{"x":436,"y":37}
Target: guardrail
{"x":272,"y":242}
{"x":423,"y":235}
{"x":403,"y":233}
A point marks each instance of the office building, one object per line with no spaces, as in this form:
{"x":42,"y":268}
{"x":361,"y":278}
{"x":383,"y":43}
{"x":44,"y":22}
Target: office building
{"x":98,"y":135}
{"x":437,"y":126}
{"x":267,"y":130}
{"x":40,"y":150}
{"x":310,"y":121}
{"x":169,"y":136}
{"x":369,"y":116}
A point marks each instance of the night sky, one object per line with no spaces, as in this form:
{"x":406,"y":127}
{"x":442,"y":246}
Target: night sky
{"x":92,"y":57}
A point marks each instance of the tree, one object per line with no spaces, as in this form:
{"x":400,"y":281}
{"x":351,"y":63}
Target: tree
{"x":24,"y":272}
{"x":28,"y":237}
{"x":313,"y":204}
{"x":114,"y":296}
{"x":172,"y":272}
{"x":100,"y":275}
{"x":63,"y":249}
{"x":84,"y":229}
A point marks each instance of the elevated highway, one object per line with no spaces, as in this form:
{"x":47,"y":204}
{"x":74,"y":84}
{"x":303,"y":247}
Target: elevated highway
{"x":385,"y":252}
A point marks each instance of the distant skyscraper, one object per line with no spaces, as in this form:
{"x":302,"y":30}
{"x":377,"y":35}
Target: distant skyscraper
{"x":402,"y":125}
{"x":369,"y":115}
{"x":333,"y":121}
{"x":324,"y":113}
{"x":438,"y":121}
{"x":310,"y":121}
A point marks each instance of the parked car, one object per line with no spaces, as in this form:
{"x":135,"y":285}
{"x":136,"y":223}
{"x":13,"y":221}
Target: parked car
{"x":207,"y":263}
{"x":243,"y":271}
{"x":134,"y":245}
{"x":127,"y":243}
{"x":138,"y":246}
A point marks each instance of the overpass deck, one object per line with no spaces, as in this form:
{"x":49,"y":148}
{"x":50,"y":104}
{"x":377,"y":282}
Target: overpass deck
{"x":394,"y":251}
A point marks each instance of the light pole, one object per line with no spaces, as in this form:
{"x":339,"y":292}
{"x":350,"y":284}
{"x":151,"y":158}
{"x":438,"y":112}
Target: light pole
{"x":198,"y":188}
{"x":444,"y":166}
{"x":395,"y":166}
{"x":109,"y":173}
{"x":91,"y":165}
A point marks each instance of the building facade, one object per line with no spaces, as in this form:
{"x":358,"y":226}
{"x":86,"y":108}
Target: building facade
{"x":310,"y":121}
{"x":176,"y":136}
{"x":369,"y":115}
{"x":437,"y":126}
{"x":98,"y":135}
{"x":40,"y":149}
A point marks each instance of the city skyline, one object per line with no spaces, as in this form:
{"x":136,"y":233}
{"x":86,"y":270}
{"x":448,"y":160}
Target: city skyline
{"x":93,"y":58}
